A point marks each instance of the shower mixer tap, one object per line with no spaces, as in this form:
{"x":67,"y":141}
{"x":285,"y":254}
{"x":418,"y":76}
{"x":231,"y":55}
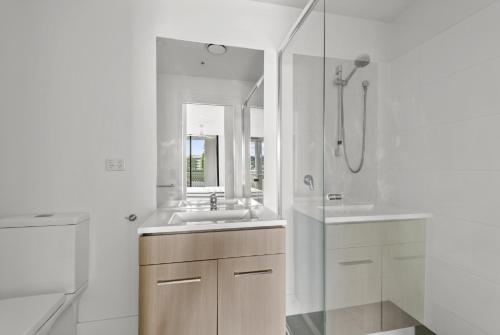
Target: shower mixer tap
{"x":338,"y":76}
{"x":309,"y":181}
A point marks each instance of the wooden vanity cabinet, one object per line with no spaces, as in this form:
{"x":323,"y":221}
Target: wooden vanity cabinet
{"x":251,"y":295}
{"x":225,"y":283}
{"x":179,"y":298}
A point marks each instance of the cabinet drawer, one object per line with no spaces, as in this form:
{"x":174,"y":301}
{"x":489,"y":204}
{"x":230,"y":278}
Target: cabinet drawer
{"x":353,"y":277}
{"x":374,"y":233}
{"x":251,"y":295}
{"x":158,"y":249}
{"x":178,"y":299}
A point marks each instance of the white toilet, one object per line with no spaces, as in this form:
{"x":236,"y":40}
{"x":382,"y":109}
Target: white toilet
{"x":43,"y":272}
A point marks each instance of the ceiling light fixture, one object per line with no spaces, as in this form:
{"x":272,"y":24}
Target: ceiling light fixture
{"x":216,"y":49}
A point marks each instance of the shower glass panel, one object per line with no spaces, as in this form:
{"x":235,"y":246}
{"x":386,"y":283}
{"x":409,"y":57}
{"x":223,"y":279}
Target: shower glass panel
{"x":389,"y":121}
{"x":374,"y":264}
{"x":375,"y":254}
{"x":357,"y":266}
{"x":302,"y":119}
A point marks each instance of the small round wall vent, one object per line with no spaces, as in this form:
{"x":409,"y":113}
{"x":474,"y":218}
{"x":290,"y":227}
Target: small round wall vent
{"x":216,"y":49}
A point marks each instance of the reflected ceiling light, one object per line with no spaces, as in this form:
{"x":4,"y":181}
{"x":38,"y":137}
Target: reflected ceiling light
{"x":216,"y":49}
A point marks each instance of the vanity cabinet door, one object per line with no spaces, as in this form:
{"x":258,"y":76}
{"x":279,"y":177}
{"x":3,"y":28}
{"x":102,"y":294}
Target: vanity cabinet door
{"x":178,"y":299}
{"x":252,"y":295}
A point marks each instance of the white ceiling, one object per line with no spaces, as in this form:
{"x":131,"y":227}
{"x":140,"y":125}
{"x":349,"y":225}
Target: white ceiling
{"x":185,"y":58}
{"x":380,"y":10}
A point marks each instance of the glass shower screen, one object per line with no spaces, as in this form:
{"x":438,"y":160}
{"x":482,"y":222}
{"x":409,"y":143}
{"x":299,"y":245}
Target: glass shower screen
{"x":348,"y":273}
{"x":302,"y":151}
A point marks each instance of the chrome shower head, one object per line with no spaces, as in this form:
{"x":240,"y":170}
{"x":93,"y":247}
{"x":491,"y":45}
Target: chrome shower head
{"x":362,"y":61}
{"x":359,"y":62}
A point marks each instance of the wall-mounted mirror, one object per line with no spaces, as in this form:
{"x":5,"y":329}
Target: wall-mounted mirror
{"x":210,"y":120}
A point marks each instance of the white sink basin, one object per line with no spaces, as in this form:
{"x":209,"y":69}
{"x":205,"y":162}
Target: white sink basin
{"x":181,"y":220}
{"x":211,"y":216}
{"x":206,"y":202}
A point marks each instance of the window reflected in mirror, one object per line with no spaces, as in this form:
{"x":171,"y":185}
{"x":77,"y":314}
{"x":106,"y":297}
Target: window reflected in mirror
{"x":202,"y":161}
{"x":204,"y":150}
{"x":257,"y":153}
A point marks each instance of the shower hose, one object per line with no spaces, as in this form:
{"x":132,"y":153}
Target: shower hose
{"x":357,"y":169}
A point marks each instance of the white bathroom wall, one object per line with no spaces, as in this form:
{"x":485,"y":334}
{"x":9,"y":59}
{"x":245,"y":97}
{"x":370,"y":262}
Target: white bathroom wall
{"x":409,"y":31}
{"x":439,"y":140}
{"x":256,"y":122}
{"x":77,"y":86}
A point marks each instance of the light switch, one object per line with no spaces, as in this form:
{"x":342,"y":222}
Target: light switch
{"x":115,"y":164}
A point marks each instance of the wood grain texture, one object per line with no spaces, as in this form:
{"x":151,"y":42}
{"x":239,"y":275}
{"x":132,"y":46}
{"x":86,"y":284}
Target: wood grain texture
{"x":162,"y":249}
{"x":180,"y":307}
{"x":251,"y":298}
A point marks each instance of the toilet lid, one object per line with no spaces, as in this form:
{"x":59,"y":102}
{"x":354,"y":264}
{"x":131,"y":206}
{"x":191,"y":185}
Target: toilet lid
{"x":24,"y":316}
{"x":43,"y":220}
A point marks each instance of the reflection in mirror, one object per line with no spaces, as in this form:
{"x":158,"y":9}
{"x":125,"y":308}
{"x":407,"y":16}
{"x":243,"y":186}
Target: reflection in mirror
{"x":253,"y":146}
{"x":257,"y":153}
{"x":202,"y":160}
{"x":210,"y":127}
{"x":204,"y":150}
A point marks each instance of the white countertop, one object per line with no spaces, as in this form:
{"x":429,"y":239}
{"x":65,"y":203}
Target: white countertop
{"x":159,"y":222}
{"x":356,"y":213}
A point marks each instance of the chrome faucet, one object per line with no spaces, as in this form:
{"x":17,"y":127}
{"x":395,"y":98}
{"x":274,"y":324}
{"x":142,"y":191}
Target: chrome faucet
{"x":309,"y":181}
{"x":213,"y":201}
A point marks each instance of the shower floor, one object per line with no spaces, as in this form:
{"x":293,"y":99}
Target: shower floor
{"x":378,"y":318}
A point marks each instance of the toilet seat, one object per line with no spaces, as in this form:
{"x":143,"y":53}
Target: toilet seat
{"x":27,"y":315}
{"x":45,"y":253}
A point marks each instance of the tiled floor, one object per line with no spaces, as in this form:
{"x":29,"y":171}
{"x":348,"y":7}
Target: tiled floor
{"x":375,"y":318}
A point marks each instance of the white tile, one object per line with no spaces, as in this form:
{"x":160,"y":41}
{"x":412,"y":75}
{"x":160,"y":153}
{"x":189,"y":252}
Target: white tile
{"x":439,"y":15}
{"x":465,"y":295}
{"x":466,"y":145}
{"x":471,"y":42}
{"x":483,"y":98}
{"x":471,"y":246}
{"x":438,"y":144}
{"x":443,"y":322}
{"x":469,"y":195}
{"x":463,"y":95}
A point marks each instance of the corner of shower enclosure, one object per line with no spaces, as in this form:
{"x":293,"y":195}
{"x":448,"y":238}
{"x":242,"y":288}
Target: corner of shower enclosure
{"x":345,"y":275}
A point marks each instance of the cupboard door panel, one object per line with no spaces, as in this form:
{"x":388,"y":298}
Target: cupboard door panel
{"x":252,"y":295}
{"x":353,"y":277}
{"x":178,"y":299}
